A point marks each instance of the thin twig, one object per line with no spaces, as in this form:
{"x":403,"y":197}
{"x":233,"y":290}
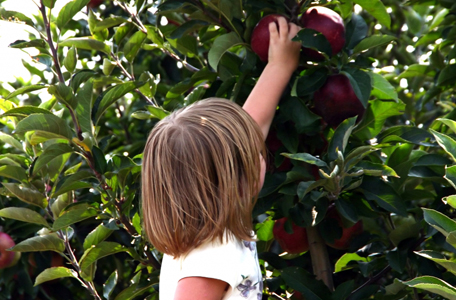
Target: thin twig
{"x":51,"y":43}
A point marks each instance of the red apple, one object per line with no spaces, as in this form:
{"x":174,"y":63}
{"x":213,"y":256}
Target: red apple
{"x":292,"y":243}
{"x":336,"y":101}
{"x":329,"y":23}
{"x":6,"y":257}
{"x":94,"y":3}
{"x":297,"y":296}
{"x":260,"y":36}
{"x":348,"y":233}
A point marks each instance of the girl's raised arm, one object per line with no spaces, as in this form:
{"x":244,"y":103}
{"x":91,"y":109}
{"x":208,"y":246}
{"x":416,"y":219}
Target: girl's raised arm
{"x":283,"y":60}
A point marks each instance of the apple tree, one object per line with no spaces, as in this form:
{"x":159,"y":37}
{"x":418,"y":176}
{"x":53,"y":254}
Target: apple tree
{"x":362,"y":147}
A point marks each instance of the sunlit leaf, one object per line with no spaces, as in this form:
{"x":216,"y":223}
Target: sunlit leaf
{"x":68,"y":12}
{"x":221,"y":45}
{"x":377,"y":9}
{"x":439,"y":221}
{"x":55,"y":273}
{"x":433,"y":285}
{"x":50,"y":124}
{"x":86,"y":43}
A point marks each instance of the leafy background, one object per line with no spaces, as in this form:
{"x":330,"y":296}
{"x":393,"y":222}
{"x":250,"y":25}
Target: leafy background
{"x":101,"y":77}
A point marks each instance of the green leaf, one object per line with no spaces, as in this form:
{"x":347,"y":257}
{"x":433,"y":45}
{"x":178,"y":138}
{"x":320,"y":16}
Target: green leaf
{"x":221,"y":45}
{"x":450,"y":200}
{"x":383,"y":194}
{"x":438,"y":257}
{"x":61,"y":203}
{"x":48,"y":242}
{"x":110,"y":284}
{"x":415,"y":71}
{"x":447,"y":76}
{"x":438,"y":18}
{"x":49,"y":3}
{"x":44,"y":59}
{"x":298,"y":112}
{"x":71,"y":59}
{"x":346,"y":8}
{"x":447,"y":143}
{"x":344,"y":290}
{"x":382,"y":88}
{"x":300,"y":280}
{"x":54,"y":151}
{"x":25,"y":111}
{"x":6,"y":14}
{"x":309,"y":83}
{"x":55,"y":273}
{"x":26,"y":89}
{"x":8,"y":139}
{"x":155,"y":35}
{"x":306,"y":157}
{"x":373,"y":41}
{"x":84,"y":108}
{"x":377,"y":10}
{"x":340,"y":138}
{"x":27,"y":195}
{"x":355,"y":30}
{"x":49,"y":125}
{"x":20,"y":44}
{"x":451,"y":239}
{"x":111,"y":96}
{"x":433,"y":285}
{"x":375,"y":116}
{"x":81,"y":77}
{"x":86,"y":43}
{"x":264,"y":230}
{"x":96,"y":236}
{"x":439,"y":221}
{"x":97,"y":252}
{"x":13,"y":172}
{"x":133,"y":291}
{"x":376,"y":169}
{"x":448,"y":122}
{"x":361,"y":84}
{"x":342,"y":263}
{"x":315,"y":40}
{"x":133,"y":45}
{"x":73,"y":216}
{"x":404,"y":134}
{"x":69,"y":11}
{"x":108,"y":23}
{"x":357,"y":154}
{"x":23,"y":214}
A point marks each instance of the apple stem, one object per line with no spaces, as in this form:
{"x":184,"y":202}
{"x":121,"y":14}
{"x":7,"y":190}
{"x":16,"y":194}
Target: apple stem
{"x":320,"y":258}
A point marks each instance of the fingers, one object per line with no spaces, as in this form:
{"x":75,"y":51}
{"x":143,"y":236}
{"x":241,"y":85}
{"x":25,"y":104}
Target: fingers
{"x":293,"y":30}
{"x":283,"y":27}
{"x":273,"y":32}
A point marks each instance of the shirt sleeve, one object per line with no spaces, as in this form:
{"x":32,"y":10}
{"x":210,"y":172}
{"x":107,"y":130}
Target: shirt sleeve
{"x":215,"y":260}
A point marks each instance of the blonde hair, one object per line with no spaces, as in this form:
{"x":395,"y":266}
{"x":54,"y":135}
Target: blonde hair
{"x":200,"y":176}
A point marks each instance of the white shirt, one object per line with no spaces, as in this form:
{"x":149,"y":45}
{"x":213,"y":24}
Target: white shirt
{"x":233,"y":261}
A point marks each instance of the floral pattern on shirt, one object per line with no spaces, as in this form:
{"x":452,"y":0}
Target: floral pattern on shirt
{"x":247,"y":286}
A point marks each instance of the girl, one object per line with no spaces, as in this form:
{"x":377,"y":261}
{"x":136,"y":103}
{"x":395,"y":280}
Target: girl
{"x":203,"y":167}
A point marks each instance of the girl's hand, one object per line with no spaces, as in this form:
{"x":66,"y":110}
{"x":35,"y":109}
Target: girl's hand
{"x":282,"y":50}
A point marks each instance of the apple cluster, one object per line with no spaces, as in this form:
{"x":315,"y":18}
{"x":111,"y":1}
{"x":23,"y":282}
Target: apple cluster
{"x":336,"y":100}
{"x":297,"y":242}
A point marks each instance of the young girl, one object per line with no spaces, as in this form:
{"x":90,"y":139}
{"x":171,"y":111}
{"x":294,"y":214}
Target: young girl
{"x":203,"y":167}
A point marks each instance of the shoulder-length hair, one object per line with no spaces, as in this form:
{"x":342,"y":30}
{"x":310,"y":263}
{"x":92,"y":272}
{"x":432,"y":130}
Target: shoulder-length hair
{"x":200,"y":176}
